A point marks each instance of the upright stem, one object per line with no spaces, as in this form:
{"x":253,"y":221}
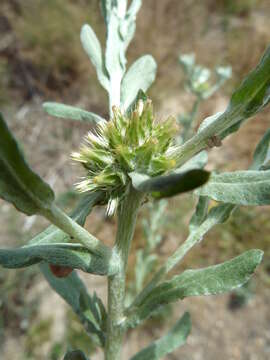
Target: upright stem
{"x":127,"y":216}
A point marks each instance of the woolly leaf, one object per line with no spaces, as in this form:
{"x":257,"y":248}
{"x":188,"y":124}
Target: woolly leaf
{"x":248,"y":187}
{"x":261,"y":155}
{"x":139,"y":76}
{"x":93,"y":49}
{"x":212,"y":280}
{"x":175,"y":338}
{"x":74,"y":292}
{"x":169,"y":185}
{"x":53,"y":234}
{"x":71,"y":112}
{"x":74,"y":256}
{"x":251,"y":97}
{"x":18,"y":183}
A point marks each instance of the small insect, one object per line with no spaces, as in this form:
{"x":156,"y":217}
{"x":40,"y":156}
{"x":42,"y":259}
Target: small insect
{"x":60,"y":271}
{"x":213,"y":141}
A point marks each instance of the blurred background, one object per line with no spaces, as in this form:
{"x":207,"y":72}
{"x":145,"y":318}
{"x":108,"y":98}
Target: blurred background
{"x":41,"y":59}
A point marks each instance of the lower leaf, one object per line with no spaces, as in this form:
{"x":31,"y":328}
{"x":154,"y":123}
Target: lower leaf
{"x":74,"y":292}
{"x":175,"y":338}
{"x":74,"y":256}
{"x":212,"y":280}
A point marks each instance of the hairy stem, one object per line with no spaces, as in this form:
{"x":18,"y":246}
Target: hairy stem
{"x":199,"y":141}
{"x":127,"y":216}
{"x":57,"y":217}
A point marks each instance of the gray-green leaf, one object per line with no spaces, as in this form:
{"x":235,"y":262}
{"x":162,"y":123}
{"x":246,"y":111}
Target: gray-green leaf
{"x":261,"y":155}
{"x":175,"y":338}
{"x":240,"y":187}
{"x":18,"y":183}
{"x":250,"y":98}
{"x":71,"y":112}
{"x":93,"y":49}
{"x":53,"y":234}
{"x":74,"y":292}
{"x":74,"y":256}
{"x":169,"y":185}
{"x":212,"y":280}
{"x":139,"y":76}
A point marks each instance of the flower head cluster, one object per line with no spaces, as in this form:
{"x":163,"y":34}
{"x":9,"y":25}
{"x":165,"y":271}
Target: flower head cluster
{"x":126,"y":143}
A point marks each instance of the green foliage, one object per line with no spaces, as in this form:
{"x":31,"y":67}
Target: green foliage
{"x":71,"y":112}
{"x":73,"y":256}
{"x":213,"y":280}
{"x":175,"y":338}
{"x":93,"y":49}
{"x":240,"y":187}
{"x":18,"y":183}
{"x":139,"y":76}
{"x":169,"y":185}
{"x":88,"y":308}
{"x":261,"y":153}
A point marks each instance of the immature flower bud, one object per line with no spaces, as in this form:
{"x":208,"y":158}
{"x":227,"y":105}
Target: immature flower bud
{"x":126,"y":143}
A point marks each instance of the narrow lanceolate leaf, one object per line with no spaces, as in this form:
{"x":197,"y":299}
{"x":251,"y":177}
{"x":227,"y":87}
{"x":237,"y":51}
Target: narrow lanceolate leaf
{"x":18,"y":183}
{"x":74,"y":292}
{"x":93,"y":49}
{"x":261,"y":157}
{"x":200,"y":213}
{"x":139,"y":76}
{"x":212,"y":280}
{"x":253,"y":94}
{"x":71,"y":112}
{"x":175,"y":338}
{"x":251,"y":97}
{"x":73,"y":256}
{"x":75,"y":355}
{"x":239,"y":187}
{"x":169,"y":185}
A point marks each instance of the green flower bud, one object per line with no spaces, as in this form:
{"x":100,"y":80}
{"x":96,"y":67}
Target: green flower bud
{"x":126,"y":143}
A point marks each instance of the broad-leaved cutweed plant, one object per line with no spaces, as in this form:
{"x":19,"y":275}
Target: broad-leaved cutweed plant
{"x":129,"y":160}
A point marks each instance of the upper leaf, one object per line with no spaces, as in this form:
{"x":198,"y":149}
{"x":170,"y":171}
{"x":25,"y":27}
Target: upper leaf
{"x":18,"y":183}
{"x":93,"y":49}
{"x":251,"y":97}
{"x":239,"y":187}
{"x":139,"y":76}
{"x":169,"y":185}
{"x":175,"y":338}
{"x":71,"y":112}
